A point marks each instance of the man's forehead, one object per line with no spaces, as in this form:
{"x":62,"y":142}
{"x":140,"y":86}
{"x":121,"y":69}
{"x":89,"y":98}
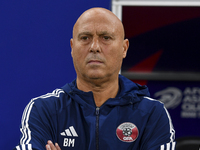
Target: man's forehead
{"x":96,"y":22}
{"x":97,"y":28}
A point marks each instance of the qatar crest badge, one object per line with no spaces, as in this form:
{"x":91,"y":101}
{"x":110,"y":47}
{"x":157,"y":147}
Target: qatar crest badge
{"x":127,"y":132}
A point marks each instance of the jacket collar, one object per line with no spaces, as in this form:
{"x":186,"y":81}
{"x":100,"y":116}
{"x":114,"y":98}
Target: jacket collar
{"x":129,"y":93}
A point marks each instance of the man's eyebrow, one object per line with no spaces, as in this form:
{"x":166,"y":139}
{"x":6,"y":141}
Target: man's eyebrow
{"x":105,"y":33}
{"x":84,"y":33}
{"x":99,"y":33}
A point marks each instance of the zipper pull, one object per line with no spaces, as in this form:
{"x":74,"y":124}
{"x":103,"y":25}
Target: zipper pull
{"x":97,"y":111}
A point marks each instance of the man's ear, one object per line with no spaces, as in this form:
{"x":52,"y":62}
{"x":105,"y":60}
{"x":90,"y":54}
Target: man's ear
{"x":71,"y":44}
{"x":125,"y":47}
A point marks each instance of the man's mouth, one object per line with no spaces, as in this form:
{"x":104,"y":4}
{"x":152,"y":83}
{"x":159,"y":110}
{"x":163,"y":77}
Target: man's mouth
{"x":95,"y":62}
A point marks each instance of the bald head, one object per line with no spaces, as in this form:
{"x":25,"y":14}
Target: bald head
{"x":98,"y":46}
{"x":99,"y":15}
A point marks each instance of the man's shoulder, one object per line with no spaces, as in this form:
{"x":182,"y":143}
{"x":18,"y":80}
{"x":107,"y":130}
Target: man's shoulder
{"x":50,"y":101}
{"x":148,"y":105}
{"x":49,"y":97}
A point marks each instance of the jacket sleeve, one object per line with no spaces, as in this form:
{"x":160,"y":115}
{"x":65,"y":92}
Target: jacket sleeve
{"x":159,"y":132}
{"x":37,"y":126}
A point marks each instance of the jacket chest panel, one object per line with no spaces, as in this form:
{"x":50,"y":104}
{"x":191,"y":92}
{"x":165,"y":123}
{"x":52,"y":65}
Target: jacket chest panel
{"x":78,"y":131}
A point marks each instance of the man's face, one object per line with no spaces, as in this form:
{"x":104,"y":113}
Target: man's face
{"x":98,"y":47}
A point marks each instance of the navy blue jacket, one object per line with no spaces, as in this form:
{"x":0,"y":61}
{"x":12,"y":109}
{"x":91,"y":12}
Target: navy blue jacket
{"x":68,"y":116}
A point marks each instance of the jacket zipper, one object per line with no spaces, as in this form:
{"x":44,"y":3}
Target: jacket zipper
{"x":97,"y":128}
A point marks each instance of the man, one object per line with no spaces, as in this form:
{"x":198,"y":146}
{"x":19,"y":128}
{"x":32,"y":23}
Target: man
{"x":100,"y":109}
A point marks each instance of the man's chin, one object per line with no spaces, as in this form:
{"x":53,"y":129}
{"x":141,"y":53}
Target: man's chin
{"x":95,"y":76}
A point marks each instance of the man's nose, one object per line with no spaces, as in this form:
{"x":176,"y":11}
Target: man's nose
{"x":95,"y":46}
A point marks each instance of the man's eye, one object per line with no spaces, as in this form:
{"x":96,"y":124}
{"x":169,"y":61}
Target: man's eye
{"x":84,"y":38}
{"x":106,"y":37}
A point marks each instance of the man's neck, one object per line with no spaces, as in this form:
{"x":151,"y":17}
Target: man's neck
{"x":101,"y":92}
